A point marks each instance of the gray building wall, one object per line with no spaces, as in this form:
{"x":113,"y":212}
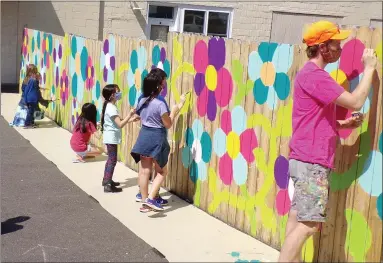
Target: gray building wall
{"x":257,"y":21}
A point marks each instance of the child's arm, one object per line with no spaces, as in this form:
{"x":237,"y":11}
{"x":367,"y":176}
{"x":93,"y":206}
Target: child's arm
{"x":94,"y":131}
{"x":121,"y":123}
{"x":134,"y":118}
{"x":97,"y":135}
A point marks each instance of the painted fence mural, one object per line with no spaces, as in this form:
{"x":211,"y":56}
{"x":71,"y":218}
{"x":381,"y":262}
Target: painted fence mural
{"x":230,"y":143}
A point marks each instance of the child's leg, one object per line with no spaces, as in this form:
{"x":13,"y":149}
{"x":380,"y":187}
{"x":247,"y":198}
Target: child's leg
{"x":29,"y":121}
{"x":110,"y":163}
{"x":143,"y":175}
{"x":93,"y":152}
{"x":158,"y":180}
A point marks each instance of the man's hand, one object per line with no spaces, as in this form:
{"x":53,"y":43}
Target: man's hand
{"x":352,"y":122}
{"x":369,"y":58}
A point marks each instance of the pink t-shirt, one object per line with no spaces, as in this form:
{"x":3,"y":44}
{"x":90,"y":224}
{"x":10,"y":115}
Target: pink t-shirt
{"x":79,"y":141}
{"x":314,"y":135}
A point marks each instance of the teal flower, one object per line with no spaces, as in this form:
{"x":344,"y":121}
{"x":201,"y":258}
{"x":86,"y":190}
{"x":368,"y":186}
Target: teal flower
{"x":268,"y":67}
{"x":136,"y":74}
{"x":197,"y":152}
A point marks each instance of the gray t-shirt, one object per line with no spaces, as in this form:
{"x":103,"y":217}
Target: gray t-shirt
{"x":151,"y":113}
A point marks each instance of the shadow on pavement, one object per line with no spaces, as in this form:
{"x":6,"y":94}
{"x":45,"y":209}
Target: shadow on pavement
{"x":12,"y":224}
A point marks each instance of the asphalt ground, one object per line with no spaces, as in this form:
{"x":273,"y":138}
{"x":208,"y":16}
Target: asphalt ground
{"x":45,"y":217}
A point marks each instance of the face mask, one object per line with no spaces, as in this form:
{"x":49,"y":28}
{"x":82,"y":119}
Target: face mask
{"x":331,"y":56}
{"x":118,"y":95}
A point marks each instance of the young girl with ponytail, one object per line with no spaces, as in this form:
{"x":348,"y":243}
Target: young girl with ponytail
{"x":111,"y":124}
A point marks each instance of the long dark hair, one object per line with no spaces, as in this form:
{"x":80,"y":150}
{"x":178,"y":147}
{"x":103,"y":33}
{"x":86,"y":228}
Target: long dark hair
{"x":88,"y":114}
{"x":107,"y":93}
{"x":151,"y":86}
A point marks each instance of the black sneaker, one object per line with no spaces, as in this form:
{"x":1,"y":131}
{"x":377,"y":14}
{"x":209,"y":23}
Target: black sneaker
{"x":112,"y":182}
{"x":109,"y":188}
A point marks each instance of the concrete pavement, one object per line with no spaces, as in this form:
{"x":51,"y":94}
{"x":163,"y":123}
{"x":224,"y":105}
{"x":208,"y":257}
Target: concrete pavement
{"x":181,"y":233}
{"x":47,"y":218}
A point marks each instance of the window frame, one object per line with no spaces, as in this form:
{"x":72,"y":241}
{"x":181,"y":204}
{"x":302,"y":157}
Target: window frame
{"x":171,"y":23}
{"x":177,"y":23}
{"x":207,"y":10}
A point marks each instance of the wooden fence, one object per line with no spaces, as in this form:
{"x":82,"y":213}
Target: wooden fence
{"x":230,"y":143}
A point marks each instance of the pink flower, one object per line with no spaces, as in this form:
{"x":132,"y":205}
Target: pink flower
{"x":64,"y":88}
{"x":89,"y":82}
{"x":234,"y":143}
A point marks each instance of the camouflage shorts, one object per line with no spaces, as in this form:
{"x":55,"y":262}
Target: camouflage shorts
{"x":311,"y":190}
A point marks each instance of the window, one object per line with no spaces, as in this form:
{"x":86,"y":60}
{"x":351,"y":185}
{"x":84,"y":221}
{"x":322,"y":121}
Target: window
{"x":161,"y":11}
{"x":194,"y":21}
{"x":217,"y":24}
{"x":376,"y":23}
{"x":206,"y":22}
{"x":161,"y":20}
{"x":165,"y":17}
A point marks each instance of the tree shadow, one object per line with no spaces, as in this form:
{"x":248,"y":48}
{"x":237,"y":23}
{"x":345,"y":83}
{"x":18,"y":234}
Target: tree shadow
{"x":12,"y":224}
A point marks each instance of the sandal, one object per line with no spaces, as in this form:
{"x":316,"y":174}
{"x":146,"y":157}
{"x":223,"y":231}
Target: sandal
{"x":78,"y":161}
{"x":145,"y":209}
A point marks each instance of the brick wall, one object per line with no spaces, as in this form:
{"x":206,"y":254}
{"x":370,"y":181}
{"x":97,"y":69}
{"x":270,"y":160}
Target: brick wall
{"x":80,"y":18}
{"x":8,"y":41}
{"x":251,"y":21}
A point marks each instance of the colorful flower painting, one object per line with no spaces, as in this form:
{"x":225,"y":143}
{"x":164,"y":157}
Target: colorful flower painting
{"x":197,"y":152}
{"x":268,"y":67}
{"x":97,"y":99}
{"x":78,"y":84}
{"x":108,"y":59}
{"x":57,"y":57}
{"x":24,"y":46}
{"x":64,"y":88}
{"x":285,"y":184}
{"x":234,"y":145}
{"x":159,"y":60}
{"x":89,"y":72}
{"x":213,"y":83}
{"x":136,"y":74}
{"x":76,"y":111}
{"x":52,"y":105}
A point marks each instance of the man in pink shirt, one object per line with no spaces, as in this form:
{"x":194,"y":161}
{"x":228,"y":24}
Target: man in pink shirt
{"x":315,"y":131}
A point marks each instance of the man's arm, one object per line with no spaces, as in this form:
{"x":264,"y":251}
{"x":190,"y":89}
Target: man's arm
{"x":356,"y":99}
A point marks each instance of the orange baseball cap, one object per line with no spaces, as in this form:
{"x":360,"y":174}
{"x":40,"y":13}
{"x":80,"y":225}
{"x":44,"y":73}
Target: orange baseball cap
{"x":322,"y":31}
